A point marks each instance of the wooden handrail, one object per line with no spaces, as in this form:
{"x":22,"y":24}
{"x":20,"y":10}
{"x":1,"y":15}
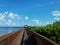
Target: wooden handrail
{"x":33,"y":38}
{"x":25,"y":37}
{"x":9,"y":38}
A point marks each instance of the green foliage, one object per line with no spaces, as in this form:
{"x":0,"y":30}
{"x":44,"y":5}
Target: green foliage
{"x":51,"y":31}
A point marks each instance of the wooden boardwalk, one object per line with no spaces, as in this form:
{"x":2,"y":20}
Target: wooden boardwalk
{"x":25,"y":37}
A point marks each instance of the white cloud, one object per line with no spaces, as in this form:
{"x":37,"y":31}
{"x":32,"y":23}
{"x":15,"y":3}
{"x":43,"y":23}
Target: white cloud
{"x":17,"y":16}
{"x":9,"y":22}
{"x":57,"y":18}
{"x":26,"y":18}
{"x":56,"y":13}
{"x":11,"y":15}
{"x":2,"y":16}
{"x":47,"y":23}
{"x":14,"y":16}
{"x":14,"y":24}
{"x":11,"y":19}
{"x":2,"y":19}
{"x":6,"y":12}
{"x":36,"y":21}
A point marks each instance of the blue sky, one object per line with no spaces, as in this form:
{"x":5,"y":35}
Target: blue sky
{"x":30,"y":12}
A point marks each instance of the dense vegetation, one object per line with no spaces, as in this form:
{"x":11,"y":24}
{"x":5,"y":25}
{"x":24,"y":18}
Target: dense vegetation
{"x":51,"y":31}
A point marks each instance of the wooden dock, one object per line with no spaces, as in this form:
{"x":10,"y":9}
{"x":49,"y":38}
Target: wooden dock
{"x":25,"y":37}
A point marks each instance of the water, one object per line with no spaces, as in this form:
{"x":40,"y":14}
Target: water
{"x":6,"y":30}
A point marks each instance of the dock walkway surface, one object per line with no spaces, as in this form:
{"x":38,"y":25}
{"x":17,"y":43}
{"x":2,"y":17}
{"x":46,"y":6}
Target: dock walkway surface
{"x":25,"y":37}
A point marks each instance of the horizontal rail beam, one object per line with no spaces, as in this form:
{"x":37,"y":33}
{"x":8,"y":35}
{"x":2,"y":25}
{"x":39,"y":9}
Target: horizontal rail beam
{"x":12,"y":38}
{"x":25,"y":37}
{"x":33,"y":38}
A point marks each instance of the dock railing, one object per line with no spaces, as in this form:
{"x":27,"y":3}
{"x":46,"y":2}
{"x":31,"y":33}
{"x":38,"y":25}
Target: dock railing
{"x":11,"y":38}
{"x":25,"y":37}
